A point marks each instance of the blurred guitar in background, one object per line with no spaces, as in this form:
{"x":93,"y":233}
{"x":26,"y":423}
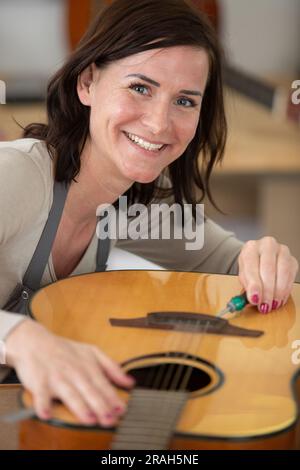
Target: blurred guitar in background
{"x":277,"y":99}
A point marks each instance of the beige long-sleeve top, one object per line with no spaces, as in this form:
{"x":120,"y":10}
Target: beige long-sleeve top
{"x":26,"y":194}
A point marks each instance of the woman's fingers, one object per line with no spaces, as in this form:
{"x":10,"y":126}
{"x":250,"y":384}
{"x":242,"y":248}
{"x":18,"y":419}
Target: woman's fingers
{"x":42,"y":400}
{"x":249,"y":272}
{"x":284,"y":276}
{"x":113,"y":371}
{"x":80,"y":375}
{"x":268,"y":250}
{"x":99,"y":393}
{"x":267,"y":272}
{"x":88,"y":393}
{"x":68,"y":393}
{"x":287,"y":268}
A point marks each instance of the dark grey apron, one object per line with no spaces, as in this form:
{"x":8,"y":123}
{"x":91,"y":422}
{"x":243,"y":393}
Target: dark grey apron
{"x":20,"y":297}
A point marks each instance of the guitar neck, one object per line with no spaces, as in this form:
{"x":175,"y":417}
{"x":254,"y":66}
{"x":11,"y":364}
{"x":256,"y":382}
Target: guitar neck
{"x":275,"y":99}
{"x":249,"y":86}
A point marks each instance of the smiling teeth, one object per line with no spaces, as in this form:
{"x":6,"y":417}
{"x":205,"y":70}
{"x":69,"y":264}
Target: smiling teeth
{"x":142,"y":143}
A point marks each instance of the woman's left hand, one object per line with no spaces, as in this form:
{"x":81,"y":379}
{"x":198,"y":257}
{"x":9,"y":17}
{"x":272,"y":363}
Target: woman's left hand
{"x":267,"y":271}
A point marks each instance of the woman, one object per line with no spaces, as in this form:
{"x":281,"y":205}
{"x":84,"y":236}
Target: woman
{"x":141,"y":96}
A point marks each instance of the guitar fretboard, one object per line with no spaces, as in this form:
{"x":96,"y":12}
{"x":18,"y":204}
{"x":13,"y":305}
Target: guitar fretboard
{"x":150,"y":420}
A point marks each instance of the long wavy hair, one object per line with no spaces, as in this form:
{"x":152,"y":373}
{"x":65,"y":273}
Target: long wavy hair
{"x":124,"y":28}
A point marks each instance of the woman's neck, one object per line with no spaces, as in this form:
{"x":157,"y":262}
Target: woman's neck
{"x":98,"y":182}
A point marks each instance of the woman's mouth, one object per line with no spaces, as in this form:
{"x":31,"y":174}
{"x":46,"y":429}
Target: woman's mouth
{"x":144,"y":144}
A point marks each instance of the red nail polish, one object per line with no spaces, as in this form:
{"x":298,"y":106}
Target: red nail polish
{"x":255,"y":299}
{"x":264,"y":308}
{"x":267,"y":308}
{"x":274,"y":304}
{"x":46,"y":414}
{"x":118,"y":409}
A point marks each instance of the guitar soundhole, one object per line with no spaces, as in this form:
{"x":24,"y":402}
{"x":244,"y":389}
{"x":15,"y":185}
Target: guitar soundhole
{"x":194,"y":376}
{"x":173,"y":378}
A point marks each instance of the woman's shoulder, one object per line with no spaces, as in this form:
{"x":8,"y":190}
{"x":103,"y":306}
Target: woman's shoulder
{"x":26,"y":155}
{"x":26,"y":184}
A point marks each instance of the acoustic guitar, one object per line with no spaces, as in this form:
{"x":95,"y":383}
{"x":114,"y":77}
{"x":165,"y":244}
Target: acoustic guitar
{"x":202,"y":382}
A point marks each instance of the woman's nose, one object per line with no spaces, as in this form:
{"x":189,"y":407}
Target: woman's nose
{"x":157,"y":118}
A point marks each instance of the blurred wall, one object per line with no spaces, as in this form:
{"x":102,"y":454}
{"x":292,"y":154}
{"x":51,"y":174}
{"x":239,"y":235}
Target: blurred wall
{"x":263,"y":36}
{"x":33,"y":39}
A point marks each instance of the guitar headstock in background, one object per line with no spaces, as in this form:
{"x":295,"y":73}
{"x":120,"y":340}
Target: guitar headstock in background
{"x":283,"y":101}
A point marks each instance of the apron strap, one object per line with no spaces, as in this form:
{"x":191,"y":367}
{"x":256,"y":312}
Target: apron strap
{"x":36,"y":268}
{"x":102,"y":254}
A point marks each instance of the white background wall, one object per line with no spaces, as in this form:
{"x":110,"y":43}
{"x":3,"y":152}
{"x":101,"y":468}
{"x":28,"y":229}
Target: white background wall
{"x":32,"y":37}
{"x":263,"y":36}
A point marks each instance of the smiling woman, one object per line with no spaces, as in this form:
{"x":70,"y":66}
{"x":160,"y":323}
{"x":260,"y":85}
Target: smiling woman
{"x":158,"y":117}
{"x":129,"y":113}
{"x":68,"y":127}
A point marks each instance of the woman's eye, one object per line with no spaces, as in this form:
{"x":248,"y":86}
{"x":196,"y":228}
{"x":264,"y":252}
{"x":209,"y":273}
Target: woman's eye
{"x":186,"y":103}
{"x":139,"y":88}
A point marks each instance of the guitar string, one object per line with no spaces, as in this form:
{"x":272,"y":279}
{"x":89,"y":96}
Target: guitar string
{"x":190,"y":339}
{"x":189,"y":369}
{"x":184,"y":343}
{"x":194,"y":341}
{"x":171,"y":340}
{"x":181,"y":346}
{"x":165,"y":367}
{"x":171,"y":343}
{"x":175,"y":382}
{"x":153,"y":380}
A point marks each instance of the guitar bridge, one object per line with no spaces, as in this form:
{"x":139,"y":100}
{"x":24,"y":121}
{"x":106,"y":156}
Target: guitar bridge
{"x":186,"y":321}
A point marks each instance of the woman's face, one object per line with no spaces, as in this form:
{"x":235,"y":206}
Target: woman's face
{"x":145,"y":109}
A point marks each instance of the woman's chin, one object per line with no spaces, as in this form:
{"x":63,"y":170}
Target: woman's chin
{"x":144,"y":179}
{"x":140,"y":176}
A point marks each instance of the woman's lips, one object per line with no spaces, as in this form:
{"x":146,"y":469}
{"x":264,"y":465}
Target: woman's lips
{"x":145,"y":151}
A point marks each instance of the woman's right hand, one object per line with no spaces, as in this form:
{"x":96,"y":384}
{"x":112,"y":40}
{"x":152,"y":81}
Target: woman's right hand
{"x":78,"y":374}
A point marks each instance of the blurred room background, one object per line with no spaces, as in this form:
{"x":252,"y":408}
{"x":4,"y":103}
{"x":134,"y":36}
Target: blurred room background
{"x":258,"y":183}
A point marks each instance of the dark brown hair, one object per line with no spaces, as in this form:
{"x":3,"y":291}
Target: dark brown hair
{"x":124,"y":28}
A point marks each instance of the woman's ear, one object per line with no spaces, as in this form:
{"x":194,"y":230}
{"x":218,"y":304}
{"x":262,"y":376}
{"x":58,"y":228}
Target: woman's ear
{"x":84,"y":82}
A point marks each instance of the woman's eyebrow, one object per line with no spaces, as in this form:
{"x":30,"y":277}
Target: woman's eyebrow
{"x":153,"y":82}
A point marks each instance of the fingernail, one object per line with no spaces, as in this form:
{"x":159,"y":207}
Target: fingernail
{"x":46,"y":414}
{"x":255,"y":298}
{"x":274,"y":304}
{"x":108,"y":420}
{"x":264,"y":308}
{"x":91,"y":415}
{"x":118,"y":409}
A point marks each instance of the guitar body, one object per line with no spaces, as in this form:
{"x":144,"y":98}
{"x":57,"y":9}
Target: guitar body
{"x":238,"y":378}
